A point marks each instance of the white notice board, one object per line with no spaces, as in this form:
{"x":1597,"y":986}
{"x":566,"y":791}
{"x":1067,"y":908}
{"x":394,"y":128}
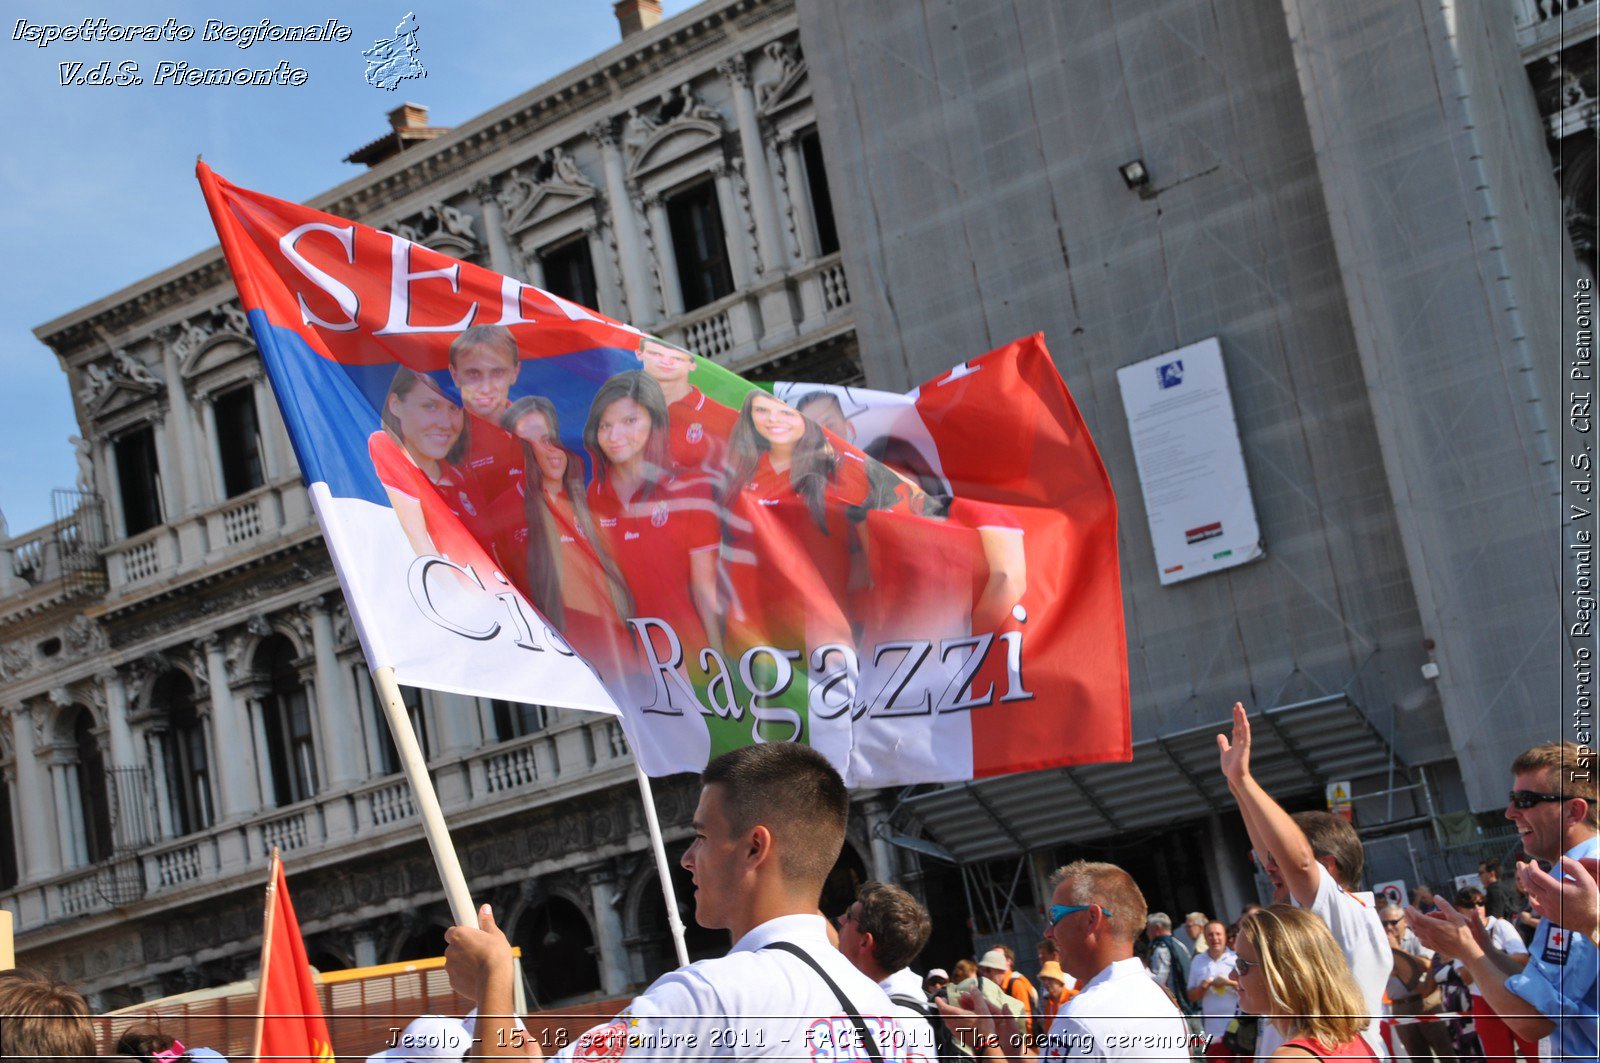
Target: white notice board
{"x":1191,"y":466}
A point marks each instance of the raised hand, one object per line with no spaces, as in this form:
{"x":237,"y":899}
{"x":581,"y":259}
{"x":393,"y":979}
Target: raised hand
{"x":1236,"y":754}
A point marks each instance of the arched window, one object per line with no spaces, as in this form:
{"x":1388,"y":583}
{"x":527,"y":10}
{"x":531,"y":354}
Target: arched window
{"x":185,"y":761}
{"x":558,"y":951}
{"x":286,"y":717}
{"x":94,"y":804}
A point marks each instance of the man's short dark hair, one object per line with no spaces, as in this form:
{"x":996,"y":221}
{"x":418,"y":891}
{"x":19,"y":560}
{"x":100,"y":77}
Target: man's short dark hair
{"x":45,"y":1021}
{"x":796,"y":794}
{"x":897,"y":921}
{"x":1331,"y":835}
{"x":1489,"y":867}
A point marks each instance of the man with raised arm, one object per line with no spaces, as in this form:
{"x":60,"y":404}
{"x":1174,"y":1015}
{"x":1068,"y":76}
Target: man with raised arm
{"x":1314,"y":860}
{"x":769,"y":826}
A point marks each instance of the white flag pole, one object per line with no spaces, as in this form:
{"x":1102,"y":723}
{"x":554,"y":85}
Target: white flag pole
{"x":416,"y":769}
{"x":663,"y":868}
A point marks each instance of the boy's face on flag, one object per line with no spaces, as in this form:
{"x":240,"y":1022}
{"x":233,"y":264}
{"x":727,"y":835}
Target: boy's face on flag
{"x":665,"y":364}
{"x":484,"y":377}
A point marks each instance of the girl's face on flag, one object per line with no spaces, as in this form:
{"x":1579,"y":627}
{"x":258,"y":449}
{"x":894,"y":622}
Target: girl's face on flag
{"x":547,"y":449}
{"x":624,"y":430}
{"x":429,"y":423}
{"x":779,"y":425}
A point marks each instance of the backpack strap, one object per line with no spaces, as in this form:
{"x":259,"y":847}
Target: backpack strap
{"x":869,"y":1043}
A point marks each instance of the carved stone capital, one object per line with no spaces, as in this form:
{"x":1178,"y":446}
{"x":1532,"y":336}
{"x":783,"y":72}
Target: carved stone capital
{"x":604,"y":132}
{"x":735,"y":70}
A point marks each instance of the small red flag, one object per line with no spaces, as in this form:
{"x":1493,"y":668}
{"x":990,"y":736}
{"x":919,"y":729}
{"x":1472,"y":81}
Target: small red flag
{"x":289,"y":1022}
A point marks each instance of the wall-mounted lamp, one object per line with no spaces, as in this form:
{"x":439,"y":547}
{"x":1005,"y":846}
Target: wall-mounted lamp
{"x":1135,"y":176}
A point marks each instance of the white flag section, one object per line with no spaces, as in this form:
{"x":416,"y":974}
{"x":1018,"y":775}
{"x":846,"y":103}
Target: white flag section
{"x":1191,"y":465}
{"x":495,"y":644}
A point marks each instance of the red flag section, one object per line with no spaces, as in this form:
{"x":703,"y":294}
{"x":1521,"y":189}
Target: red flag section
{"x":289,"y":1018}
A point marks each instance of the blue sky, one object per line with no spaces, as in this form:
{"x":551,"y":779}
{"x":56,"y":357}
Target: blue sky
{"x":97,"y":186}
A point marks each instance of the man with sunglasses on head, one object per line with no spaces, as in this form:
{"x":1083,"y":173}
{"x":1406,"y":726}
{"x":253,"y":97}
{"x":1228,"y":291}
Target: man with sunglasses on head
{"x":1314,"y":860}
{"x":1096,"y":914}
{"x":1553,"y":804}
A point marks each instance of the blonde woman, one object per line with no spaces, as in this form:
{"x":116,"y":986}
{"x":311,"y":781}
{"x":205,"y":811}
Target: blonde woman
{"x":1292,"y":973}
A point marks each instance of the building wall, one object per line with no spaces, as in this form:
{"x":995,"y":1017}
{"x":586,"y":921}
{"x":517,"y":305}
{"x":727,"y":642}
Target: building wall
{"x":993,"y":179}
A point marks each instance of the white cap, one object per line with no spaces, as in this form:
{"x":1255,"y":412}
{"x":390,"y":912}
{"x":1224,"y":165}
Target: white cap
{"x":425,"y":1039}
{"x":994,"y":959}
{"x":938,"y":972}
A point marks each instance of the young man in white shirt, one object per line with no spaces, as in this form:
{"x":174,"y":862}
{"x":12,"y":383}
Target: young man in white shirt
{"x":769,"y":826}
{"x":1213,"y":983}
{"x":1097,"y":913}
{"x":1314,"y":860}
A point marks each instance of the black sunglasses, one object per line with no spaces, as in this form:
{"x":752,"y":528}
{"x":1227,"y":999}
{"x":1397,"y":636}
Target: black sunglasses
{"x":1244,"y":967}
{"x":1526,"y":799}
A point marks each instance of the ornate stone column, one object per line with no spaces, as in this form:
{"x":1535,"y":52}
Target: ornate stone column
{"x":258,"y":729}
{"x":494,"y":227}
{"x":605,"y":895}
{"x":799,"y":197}
{"x":666,"y":261}
{"x":119,"y":734}
{"x":192,"y":496}
{"x":160,"y":784}
{"x":116,"y":528}
{"x":69,"y":808}
{"x":229,"y":733}
{"x":208,"y":427}
{"x":266,"y":419}
{"x":172,"y":474}
{"x":728,"y":203}
{"x":40,"y":856}
{"x":625,"y":223}
{"x":332,"y":732}
{"x":769,"y":243}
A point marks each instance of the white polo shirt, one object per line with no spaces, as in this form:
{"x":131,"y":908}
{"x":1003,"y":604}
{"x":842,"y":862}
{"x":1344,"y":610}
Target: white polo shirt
{"x":1503,"y":936}
{"x":1120,"y":1014}
{"x":757,"y":1003}
{"x":1353,"y":918}
{"x":1220,"y":1001}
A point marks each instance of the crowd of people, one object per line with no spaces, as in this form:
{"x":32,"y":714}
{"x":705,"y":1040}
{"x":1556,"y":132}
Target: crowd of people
{"x":1323,"y":971}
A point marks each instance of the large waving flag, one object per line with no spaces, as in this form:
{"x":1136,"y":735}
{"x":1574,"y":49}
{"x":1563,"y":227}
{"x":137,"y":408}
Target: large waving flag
{"x":527,"y":500}
{"x":289,"y":1022}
